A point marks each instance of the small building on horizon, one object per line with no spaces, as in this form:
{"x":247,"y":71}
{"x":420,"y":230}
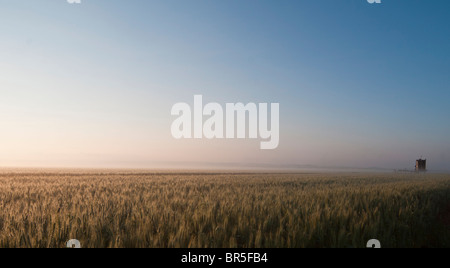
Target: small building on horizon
{"x":421,"y":165}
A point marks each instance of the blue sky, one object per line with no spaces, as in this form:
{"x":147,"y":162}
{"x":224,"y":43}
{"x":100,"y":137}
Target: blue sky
{"x":92,"y":84}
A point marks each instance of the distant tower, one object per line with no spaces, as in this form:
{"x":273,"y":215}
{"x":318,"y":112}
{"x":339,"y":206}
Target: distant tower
{"x":421,"y":165}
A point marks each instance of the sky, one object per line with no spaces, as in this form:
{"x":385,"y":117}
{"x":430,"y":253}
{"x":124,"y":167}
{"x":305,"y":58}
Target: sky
{"x":92,"y":85}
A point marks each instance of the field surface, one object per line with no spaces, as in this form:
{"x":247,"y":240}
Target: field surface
{"x":209,"y":210}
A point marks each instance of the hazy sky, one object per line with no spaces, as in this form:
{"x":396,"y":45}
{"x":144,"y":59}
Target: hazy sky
{"x":92,"y":84}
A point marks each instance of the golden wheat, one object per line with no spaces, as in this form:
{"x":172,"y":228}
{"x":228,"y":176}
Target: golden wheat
{"x":135,"y":209}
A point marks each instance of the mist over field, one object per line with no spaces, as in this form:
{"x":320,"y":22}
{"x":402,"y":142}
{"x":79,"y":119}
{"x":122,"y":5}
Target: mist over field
{"x":224,"y":123}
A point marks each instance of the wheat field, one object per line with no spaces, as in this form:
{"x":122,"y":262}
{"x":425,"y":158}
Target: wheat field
{"x":44,"y":209}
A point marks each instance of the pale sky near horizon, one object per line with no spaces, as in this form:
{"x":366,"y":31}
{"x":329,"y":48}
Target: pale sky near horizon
{"x":93,"y":84}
